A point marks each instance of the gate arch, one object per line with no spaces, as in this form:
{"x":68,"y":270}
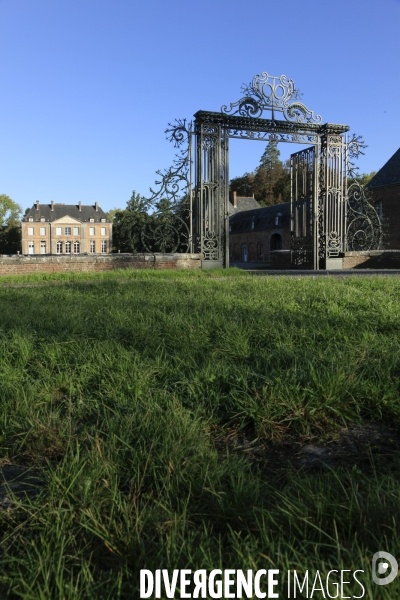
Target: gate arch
{"x":320,"y":221}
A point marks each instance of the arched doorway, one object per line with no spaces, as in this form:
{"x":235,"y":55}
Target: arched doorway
{"x":275,"y":242}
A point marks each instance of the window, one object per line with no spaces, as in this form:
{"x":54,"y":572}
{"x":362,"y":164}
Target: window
{"x":91,"y":230}
{"x":76,"y":247}
{"x":59,"y":248}
{"x":58,"y":230}
{"x":68,"y":231}
{"x":252,"y":224}
{"x":42,"y":247}
{"x":42,"y":219}
{"x":67,"y":247}
{"x":379,"y":210}
{"x":31,"y":230}
{"x":76,"y":230}
{"x":104,"y":246}
{"x":31,"y":247}
{"x":103,"y":220}
{"x":42,"y":230}
{"x":31,"y":219}
{"x":103,"y":231}
{"x":91,"y":220}
{"x":92,"y":246}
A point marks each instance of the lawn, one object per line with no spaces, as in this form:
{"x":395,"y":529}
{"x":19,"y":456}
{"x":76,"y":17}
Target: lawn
{"x":170,"y":419}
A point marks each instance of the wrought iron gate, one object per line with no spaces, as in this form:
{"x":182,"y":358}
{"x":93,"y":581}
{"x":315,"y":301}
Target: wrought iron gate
{"x":318,"y":203}
{"x":303,"y":171}
{"x":196,"y":219}
{"x":331,"y":200}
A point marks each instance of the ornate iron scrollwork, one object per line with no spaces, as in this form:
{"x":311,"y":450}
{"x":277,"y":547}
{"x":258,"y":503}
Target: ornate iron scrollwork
{"x":168,"y":225}
{"x":269,"y":92}
{"x":364,"y":228}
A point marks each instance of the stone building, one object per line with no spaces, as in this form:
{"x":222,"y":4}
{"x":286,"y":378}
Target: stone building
{"x":254,"y":233}
{"x":66,"y":229}
{"x":385,"y":188}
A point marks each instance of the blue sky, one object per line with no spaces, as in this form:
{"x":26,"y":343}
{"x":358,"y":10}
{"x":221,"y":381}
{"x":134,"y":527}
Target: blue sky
{"x":88,"y":86}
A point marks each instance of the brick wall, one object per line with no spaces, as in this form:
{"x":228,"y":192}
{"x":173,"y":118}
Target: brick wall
{"x":23,"y":265}
{"x":372,"y":259}
{"x":390,"y":198}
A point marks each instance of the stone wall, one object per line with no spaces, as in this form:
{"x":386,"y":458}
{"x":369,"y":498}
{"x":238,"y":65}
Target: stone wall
{"x":23,"y":265}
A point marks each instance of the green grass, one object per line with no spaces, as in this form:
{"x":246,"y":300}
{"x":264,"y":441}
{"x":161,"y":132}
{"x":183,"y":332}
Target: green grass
{"x":124,"y":389}
{"x":119,"y":274}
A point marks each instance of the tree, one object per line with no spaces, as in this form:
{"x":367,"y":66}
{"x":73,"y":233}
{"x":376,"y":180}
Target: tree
{"x":243,"y":186}
{"x":111,"y":213}
{"x":269,"y":183}
{"x":10,"y":231}
{"x":365,"y":178}
{"x":10,"y":211}
{"x":270,"y":180}
{"x":128,"y":224}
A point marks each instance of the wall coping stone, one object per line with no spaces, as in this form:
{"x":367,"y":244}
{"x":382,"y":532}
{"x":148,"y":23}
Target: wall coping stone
{"x":60,"y":258}
{"x":22,"y":263}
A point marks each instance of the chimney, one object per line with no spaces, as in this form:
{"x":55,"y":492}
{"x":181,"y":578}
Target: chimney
{"x":37,"y":204}
{"x":52,"y":205}
{"x":80,"y":206}
{"x":96,"y":206}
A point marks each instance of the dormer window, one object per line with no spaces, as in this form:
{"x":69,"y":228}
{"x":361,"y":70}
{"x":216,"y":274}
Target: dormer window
{"x":91,"y":220}
{"x":277,"y":218}
{"x":252,"y":224}
{"x":30,"y":219}
{"x":103,"y":220}
{"x":42,"y":219}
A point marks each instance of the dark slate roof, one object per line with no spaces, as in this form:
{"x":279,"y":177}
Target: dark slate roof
{"x":243,"y":203}
{"x":63,"y":210}
{"x":263,"y":218}
{"x":389,"y":174}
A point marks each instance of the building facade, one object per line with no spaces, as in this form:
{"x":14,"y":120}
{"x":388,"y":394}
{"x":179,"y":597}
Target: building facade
{"x":254,"y":233}
{"x":385,"y":188}
{"x":66,"y":229}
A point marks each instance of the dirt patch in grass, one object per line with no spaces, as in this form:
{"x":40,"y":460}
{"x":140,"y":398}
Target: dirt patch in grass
{"x":360,"y":444}
{"x":16,"y":482}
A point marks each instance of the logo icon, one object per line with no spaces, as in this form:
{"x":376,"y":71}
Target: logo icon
{"x":380,"y":565}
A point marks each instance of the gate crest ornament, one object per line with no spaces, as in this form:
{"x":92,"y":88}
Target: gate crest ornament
{"x":277,"y":94}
